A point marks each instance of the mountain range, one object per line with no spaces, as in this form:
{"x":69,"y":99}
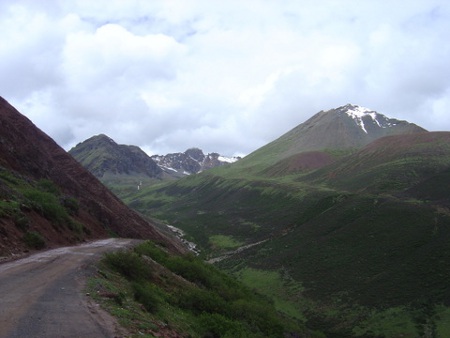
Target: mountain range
{"x":128,"y":165}
{"x":343,"y":221}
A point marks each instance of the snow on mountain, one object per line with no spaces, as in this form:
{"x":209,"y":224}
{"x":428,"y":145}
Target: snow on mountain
{"x":359,"y":114}
{"x":228,"y":159}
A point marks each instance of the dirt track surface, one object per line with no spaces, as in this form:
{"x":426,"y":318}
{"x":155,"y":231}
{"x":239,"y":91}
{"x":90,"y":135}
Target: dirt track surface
{"x":42,"y":295}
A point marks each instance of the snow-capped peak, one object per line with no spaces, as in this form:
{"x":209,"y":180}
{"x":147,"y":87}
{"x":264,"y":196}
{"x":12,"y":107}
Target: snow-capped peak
{"x":358,"y":112}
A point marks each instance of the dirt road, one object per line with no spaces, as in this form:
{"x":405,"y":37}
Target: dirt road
{"x":42,"y":295}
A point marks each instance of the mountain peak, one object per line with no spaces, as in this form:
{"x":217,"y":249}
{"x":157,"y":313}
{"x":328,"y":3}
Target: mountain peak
{"x":343,"y":128}
{"x":355,"y":110}
{"x":358,"y":114}
{"x":101,"y":155}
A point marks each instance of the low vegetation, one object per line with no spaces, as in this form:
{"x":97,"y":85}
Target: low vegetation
{"x":153,"y":293}
{"x":21,"y":196}
{"x":347,"y":248}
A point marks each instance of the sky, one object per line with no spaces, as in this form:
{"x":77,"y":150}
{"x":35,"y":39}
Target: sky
{"x":223,"y":76}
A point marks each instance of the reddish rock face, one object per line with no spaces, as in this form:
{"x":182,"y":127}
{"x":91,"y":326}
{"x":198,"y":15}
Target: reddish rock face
{"x":29,"y":152}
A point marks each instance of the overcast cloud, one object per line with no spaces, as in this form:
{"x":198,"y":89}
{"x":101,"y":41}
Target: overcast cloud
{"x":224,"y":76}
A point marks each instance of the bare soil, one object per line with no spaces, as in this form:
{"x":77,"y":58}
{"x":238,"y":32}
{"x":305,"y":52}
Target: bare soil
{"x":42,"y":295}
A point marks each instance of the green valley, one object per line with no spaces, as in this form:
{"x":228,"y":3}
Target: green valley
{"x":346,"y":229}
{"x":359,"y":246}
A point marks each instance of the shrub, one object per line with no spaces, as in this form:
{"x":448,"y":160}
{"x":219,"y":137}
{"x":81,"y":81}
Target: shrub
{"x":46,"y":203}
{"x":48,"y":186}
{"x":192,"y":269}
{"x":197,"y":301}
{"x":260,"y":316}
{"x":71,"y":204}
{"x":146,"y":294}
{"x":149,"y":249}
{"x":128,"y":264}
{"x":75,"y":226}
{"x":21,"y":221}
{"x":34,"y":240}
{"x":216,"y":325}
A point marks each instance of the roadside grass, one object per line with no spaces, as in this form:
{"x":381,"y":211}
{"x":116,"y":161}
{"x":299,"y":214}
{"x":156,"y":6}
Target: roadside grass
{"x":153,"y":293}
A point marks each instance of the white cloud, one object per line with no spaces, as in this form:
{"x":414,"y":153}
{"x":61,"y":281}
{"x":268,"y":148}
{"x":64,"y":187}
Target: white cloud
{"x":114,"y":55}
{"x":223,"y":76}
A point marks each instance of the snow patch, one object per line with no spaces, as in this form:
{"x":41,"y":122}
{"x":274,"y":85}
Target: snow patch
{"x":358,"y":112}
{"x":228,"y":159}
{"x":168,"y":168}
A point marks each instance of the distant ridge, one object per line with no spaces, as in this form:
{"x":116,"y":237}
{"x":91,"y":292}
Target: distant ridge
{"x":101,"y":155}
{"x":192,"y":161}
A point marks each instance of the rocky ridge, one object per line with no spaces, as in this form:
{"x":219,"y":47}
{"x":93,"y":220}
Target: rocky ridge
{"x":102,"y":156}
{"x":192,"y":161}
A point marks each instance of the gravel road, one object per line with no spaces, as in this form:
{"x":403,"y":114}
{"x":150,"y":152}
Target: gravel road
{"x":42,"y":295}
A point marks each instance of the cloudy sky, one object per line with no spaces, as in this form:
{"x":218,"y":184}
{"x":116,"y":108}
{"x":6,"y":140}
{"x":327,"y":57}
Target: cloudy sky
{"x":225,"y":76}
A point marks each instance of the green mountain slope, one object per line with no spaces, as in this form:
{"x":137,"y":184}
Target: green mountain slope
{"x":362,"y":236}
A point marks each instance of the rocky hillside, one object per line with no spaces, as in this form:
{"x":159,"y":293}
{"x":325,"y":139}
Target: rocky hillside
{"x":112,"y":162}
{"x":101,"y":155}
{"x":48,"y":199}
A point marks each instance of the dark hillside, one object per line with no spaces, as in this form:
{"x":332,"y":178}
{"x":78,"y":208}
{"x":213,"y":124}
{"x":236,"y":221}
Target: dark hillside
{"x":48,"y":195}
{"x":100,"y":154}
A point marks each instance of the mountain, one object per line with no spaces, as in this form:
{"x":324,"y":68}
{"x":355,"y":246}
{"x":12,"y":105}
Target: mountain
{"x":344,"y":128}
{"x":192,"y":161}
{"x":101,"y":155}
{"x":126,"y":168}
{"x":48,"y":199}
{"x":344,"y":222}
